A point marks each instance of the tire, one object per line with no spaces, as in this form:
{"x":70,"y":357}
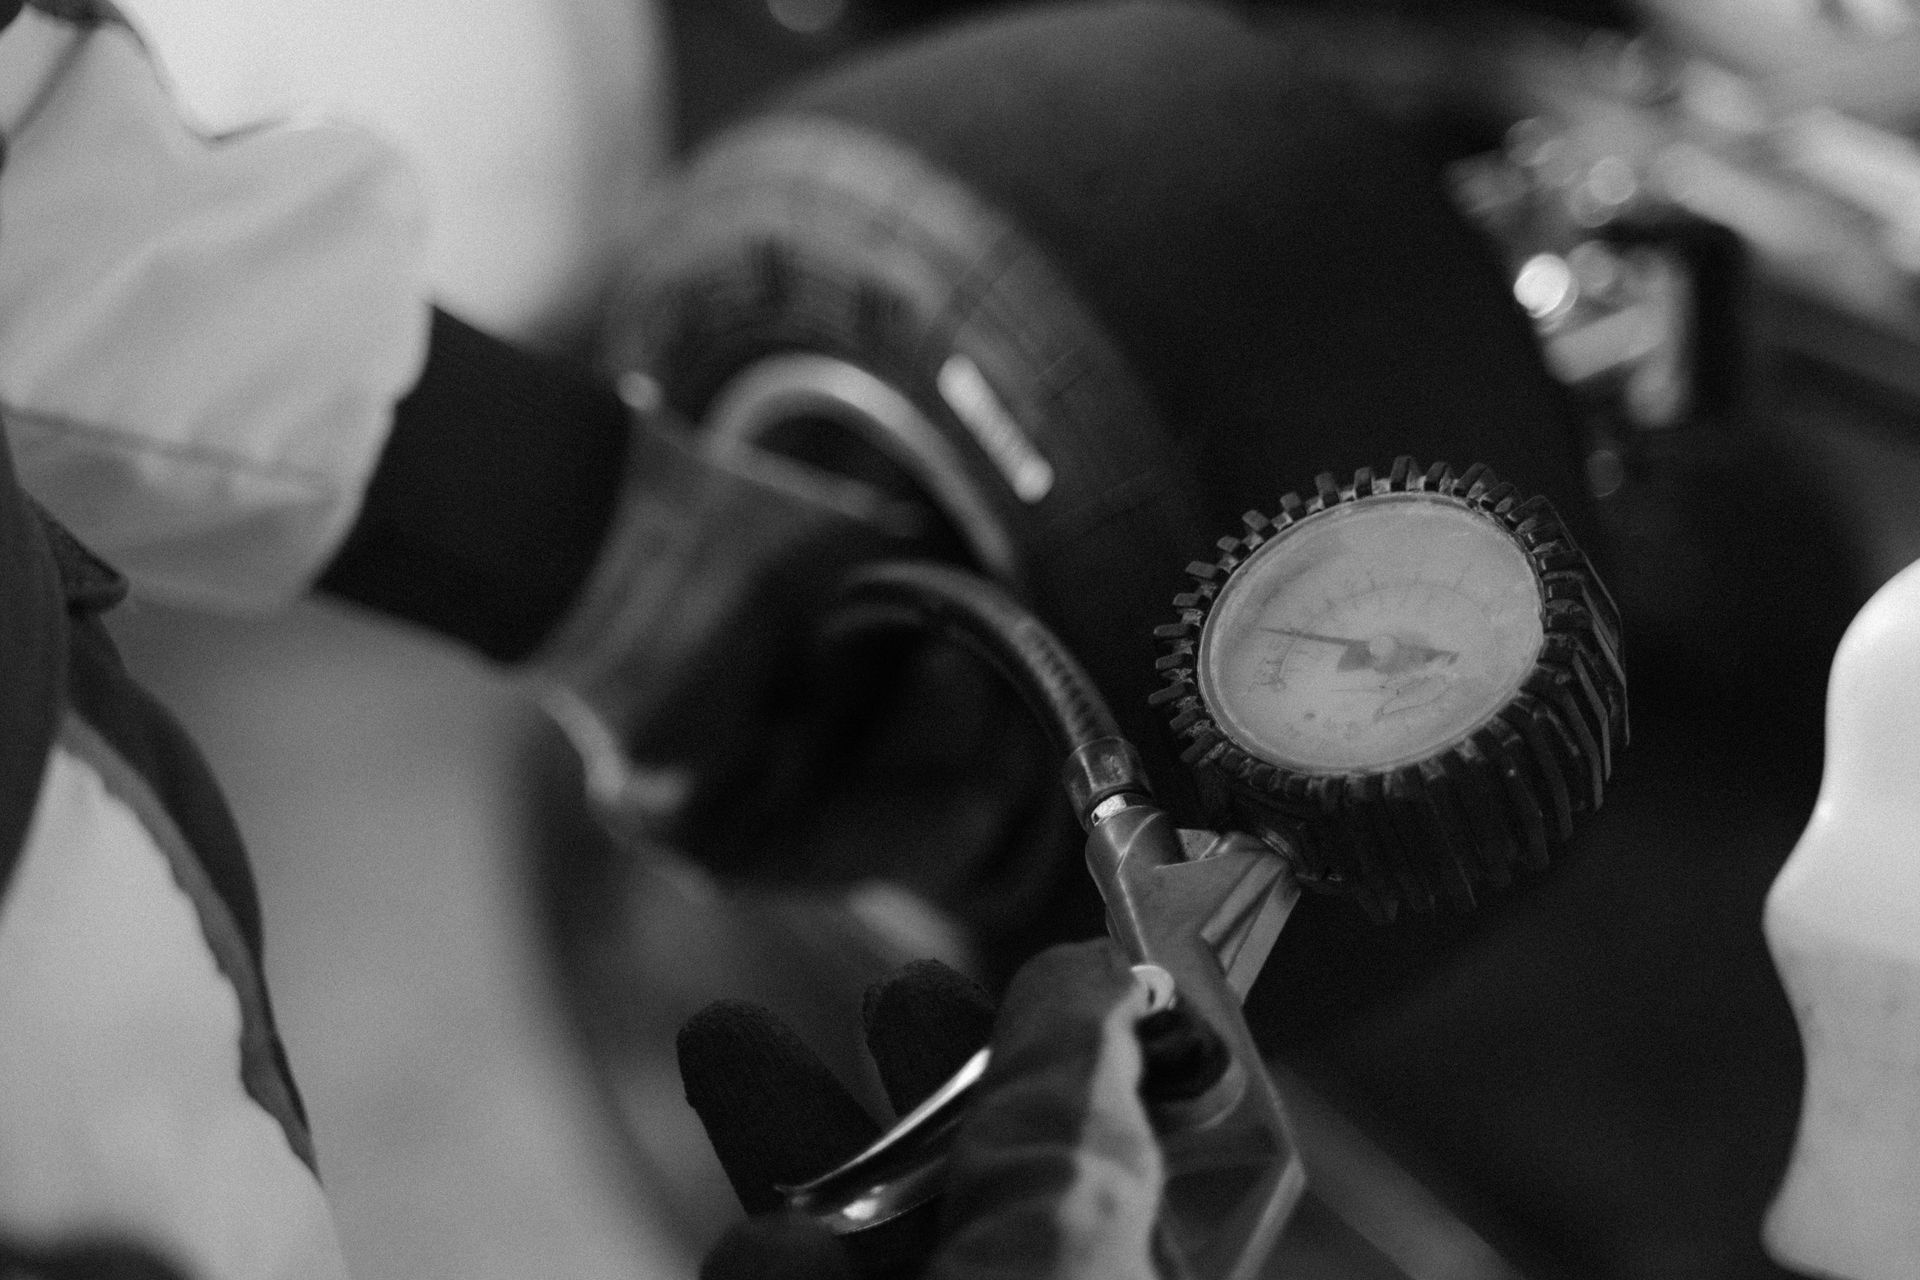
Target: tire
{"x":819,"y":289}
{"x":1186,"y":279}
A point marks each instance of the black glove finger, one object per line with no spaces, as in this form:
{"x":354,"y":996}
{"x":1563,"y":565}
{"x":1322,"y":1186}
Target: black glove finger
{"x":773,"y":1111}
{"x":779,"y":1246}
{"x":923,"y":1022}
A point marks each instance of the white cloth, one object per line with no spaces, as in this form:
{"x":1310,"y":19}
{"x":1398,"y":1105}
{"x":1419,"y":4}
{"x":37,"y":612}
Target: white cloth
{"x":122,"y":1111}
{"x":538,"y":128}
{"x":201,"y":341}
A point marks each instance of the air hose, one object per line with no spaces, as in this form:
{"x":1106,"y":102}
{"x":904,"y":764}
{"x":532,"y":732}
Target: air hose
{"x":984,"y":620}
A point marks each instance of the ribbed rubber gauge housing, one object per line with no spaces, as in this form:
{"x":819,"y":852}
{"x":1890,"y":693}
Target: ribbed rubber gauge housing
{"x":1409,"y":684}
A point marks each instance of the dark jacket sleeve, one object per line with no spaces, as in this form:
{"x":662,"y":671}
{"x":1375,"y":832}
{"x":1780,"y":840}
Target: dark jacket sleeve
{"x":492,"y":497}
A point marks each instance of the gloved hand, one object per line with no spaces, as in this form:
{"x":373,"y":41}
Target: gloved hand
{"x":1055,"y":1172}
{"x":719,"y":714}
{"x":678,"y":671}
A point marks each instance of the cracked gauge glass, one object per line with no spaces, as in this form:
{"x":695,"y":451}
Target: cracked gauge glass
{"x":1371,"y":634}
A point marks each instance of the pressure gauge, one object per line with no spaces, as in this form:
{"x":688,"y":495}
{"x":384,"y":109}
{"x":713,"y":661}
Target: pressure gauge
{"x":1409,"y":684}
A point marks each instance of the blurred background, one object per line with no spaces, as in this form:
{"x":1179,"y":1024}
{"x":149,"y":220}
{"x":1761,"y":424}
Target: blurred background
{"x":380,"y":776}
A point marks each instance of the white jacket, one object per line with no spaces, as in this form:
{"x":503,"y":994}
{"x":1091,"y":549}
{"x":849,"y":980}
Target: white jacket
{"x":200,"y":341}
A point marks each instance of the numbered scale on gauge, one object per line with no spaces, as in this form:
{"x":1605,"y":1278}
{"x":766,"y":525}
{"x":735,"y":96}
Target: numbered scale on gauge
{"x":1370,"y":637}
{"x":1409,"y":684}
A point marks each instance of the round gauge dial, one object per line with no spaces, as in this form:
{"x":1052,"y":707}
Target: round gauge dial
{"x":1371,"y":634}
{"x":1407,"y":685}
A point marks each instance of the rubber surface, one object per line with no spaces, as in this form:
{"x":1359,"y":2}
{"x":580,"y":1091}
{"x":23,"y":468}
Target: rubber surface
{"x":803,"y":234}
{"x":1192,"y":278}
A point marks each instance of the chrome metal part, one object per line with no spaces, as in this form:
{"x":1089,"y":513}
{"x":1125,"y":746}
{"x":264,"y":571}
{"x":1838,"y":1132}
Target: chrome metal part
{"x":792,"y":386}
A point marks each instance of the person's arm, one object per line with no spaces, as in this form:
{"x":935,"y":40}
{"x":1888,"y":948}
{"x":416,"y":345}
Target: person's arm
{"x":493,"y":496}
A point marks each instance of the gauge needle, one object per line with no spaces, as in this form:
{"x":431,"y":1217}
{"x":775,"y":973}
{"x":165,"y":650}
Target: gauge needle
{"x":1383,"y":653}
